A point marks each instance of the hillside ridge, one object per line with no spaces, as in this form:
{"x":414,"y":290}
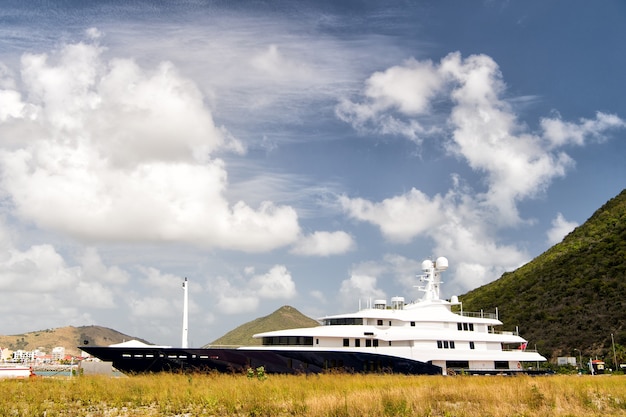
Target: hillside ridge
{"x":569,"y":301}
{"x":286,"y":317}
{"x":69,"y":337}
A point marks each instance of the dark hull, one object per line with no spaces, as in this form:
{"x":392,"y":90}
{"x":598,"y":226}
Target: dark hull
{"x":146,"y":359}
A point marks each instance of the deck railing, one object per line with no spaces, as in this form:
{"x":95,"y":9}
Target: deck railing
{"x":480,"y":314}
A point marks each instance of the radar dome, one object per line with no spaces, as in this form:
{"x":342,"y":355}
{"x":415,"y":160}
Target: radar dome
{"x":427,"y":264}
{"x":442,"y":263}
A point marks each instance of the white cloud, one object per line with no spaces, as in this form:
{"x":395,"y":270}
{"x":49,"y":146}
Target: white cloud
{"x":400,"y":218}
{"x":237,"y":295}
{"x":94,"y":295}
{"x":38,"y":269}
{"x":40,"y":288}
{"x":234,"y":300}
{"x":280,"y":68}
{"x":318,"y":295}
{"x":560,"y":228}
{"x":484,"y":132}
{"x":108,"y":160}
{"x":95,"y":270}
{"x":393,"y":95}
{"x":359,"y":287}
{"x":275,"y":284}
{"x":560,"y":133}
{"x":324,"y":244}
{"x":152,"y":307}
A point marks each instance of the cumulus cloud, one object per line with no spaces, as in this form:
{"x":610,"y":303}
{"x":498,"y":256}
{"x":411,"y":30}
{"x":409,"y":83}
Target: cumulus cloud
{"x":275,"y":284}
{"x":102,"y":144}
{"x":560,"y":228}
{"x":396,"y":100}
{"x":238,"y":295}
{"x":482,"y":130}
{"x":559,"y":133}
{"x":41,"y":288}
{"x":400,"y":218}
{"x":359,"y":286}
{"x":324,"y":244}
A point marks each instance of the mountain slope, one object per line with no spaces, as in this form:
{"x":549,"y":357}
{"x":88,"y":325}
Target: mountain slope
{"x":285,"y":317}
{"x":570,"y":299}
{"x":69,"y":337}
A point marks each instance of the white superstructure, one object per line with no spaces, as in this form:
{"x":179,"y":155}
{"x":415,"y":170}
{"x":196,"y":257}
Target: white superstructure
{"x":426,"y":330}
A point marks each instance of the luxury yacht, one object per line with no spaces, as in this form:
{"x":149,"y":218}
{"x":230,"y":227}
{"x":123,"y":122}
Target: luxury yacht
{"x":428,"y":336}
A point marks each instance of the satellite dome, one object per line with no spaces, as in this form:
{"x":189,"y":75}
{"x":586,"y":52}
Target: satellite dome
{"x":427,"y":264}
{"x":442,"y":263}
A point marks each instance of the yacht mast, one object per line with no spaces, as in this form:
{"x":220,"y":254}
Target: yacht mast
{"x":185,"y":341}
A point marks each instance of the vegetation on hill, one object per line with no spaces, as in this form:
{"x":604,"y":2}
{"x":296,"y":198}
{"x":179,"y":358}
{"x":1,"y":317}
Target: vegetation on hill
{"x":69,"y":337}
{"x":569,"y":300}
{"x":285,"y":317}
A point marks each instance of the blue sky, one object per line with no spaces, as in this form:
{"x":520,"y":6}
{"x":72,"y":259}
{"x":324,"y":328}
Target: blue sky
{"x":305,"y":153}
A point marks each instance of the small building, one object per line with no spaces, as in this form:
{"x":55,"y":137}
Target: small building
{"x":58,"y":353}
{"x":566,"y":360}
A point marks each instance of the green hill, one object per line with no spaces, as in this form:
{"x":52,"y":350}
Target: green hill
{"x":570,"y":299}
{"x":285,"y":317}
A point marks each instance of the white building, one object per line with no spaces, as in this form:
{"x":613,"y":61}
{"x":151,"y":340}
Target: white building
{"x":27,"y":355}
{"x":58,"y":353}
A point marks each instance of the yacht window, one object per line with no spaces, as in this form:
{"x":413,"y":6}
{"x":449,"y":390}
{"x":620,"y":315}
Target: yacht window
{"x":412,"y":324}
{"x":390,"y":322}
{"x":346,"y":342}
{"x":379,"y":322}
{"x":439,"y":344}
{"x":452,"y":344}
{"x":375,"y":342}
{"x":317,"y":341}
{"x":288,"y":340}
{"x":457,"y":364}
{"x":446,"y":344}
{"x":357,"y":342}
{"x":465,"y":326}
{"x":471,"y":345}
{"x":343,"y":321}
{"x":368,"y":342}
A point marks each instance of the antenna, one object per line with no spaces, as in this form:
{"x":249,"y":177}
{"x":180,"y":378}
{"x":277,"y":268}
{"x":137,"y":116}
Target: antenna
{"x":185,"y":342}
{"x":432,"y":277}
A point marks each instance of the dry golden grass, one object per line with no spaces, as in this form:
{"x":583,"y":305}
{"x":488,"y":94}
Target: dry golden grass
{"x":317,"y":395}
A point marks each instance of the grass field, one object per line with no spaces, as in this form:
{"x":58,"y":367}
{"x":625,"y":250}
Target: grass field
{"x":317,"y":395}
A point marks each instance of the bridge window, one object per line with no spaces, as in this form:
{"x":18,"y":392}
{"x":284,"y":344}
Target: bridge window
{"x":344,"y":321}
{"x":288,"y":341}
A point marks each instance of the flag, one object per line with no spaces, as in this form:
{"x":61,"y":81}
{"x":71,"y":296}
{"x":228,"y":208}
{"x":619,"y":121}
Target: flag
{"x":523,"y":346}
